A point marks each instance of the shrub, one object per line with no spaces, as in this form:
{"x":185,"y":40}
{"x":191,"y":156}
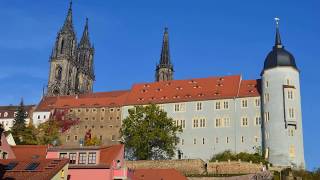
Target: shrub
{"x":243,"y":156}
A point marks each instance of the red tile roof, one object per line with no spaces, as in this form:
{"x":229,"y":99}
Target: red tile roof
{"x":29,"y":152}
{"x":160,"y":92}
{"x":189,"y":90}
{"x":157,"y":174}
{"x":46,"y":169}
{"x":109,"y":154}
{"x":99,"y":99}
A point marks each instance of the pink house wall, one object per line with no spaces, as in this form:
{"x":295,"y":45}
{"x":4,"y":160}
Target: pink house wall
{"x":90,"y":174}
{"x":6,"y":147}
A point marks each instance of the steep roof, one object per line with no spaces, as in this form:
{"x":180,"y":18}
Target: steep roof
{"x":157,"y":174}
{"x":30,"y":152}
{"x":46,"y":169}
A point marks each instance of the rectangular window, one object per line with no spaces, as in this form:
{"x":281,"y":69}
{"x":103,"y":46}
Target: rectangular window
{"x":257,"y":121}
{"x":202,"y":122}
{"x":72,"y":158}
{"x":218,"y":105}
{"x":63,"y":156}
{"x":292,"y":151}
{"x":257,"y":102}
{"x":161,"y":107}
{"x":82,"y":158}
{"x":194,"y":141}
{"x":242,"y":139}
{"x":218,"y":122}
{"x":199,"y":106}
{"x":227,"y":122}
{"x":244,"y":103}
{"x":75,"y":138}
{"x":195,"y":123}
{"x":225,"y":105}
{"x":266,"y":116}
{"x":291,"y":113}
{"x":179,"y":107}
{"x":182,"y":141}
{"x":290,"y":94}
{"x":244,"y":122}
{"x":217,"y":140}
{"x":266,"y":97}
{"x":203,"y":141}
{"x":183,"y":124}
{"x":92,"y":158}
{"x":256,"y":139}
{"x":228,"y":140}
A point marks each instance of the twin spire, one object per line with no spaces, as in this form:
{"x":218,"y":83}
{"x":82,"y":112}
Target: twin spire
{"x":68,"y":26}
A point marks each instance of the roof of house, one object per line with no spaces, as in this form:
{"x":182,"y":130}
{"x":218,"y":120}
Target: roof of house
{"x":30,"y":152}
{"x":158,"y":174}
{"x":44,"y":168}
{"x":192,"y":90}
{"x":8,"y":112}
{"x":99,"y":99}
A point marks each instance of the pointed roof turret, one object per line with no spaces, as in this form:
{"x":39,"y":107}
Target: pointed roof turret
{"x":278,"y":38}
{"x":165,"y":53}
{"x":279,"y":56}
{"x":85,"y":40}
{"x":68,"y":25}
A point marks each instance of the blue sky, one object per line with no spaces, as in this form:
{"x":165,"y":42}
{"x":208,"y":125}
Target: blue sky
{"x":207,"y":38}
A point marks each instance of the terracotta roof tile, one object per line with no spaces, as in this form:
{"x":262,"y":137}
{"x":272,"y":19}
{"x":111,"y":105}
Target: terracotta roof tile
{"x":249,"y":88}
{"x":29,"y":152}
{"x":108,"y":154}
{"x":184,"y":90}
{"x":46,"y":169}
{"x":157,"y":174}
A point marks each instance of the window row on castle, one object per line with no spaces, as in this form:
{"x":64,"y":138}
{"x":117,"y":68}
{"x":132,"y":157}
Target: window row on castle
{"x":291,"y":133}
{"x":6,"y":114}
{"x":77,"y":139}
{"x":218,"y":105}
{"x":101,"y":118}
{"x":91,"y":127}
{"x":287,"y":81}
{"x":218,"y":140}
{"x":94,"y":110}
{"x":224,"y":122}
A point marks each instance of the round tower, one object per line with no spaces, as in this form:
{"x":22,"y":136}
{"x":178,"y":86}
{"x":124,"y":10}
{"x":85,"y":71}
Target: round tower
{"x":281,"y":109}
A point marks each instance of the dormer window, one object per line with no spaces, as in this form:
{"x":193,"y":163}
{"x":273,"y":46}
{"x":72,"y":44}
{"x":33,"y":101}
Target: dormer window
{"x":146,"y":85}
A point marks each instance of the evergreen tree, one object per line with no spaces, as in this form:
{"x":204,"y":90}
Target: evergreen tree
{"x":149,"y":134}
{"x":19,"y":124}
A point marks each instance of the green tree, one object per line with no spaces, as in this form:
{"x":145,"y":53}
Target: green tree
{"x":48,"y":133}
{"x":149,"y":133}
{"x":19,"y":124}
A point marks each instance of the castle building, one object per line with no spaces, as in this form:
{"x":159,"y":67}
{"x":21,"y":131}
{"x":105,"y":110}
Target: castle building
{"x":215,"y":113}
{"x":71,"y":64}
{"x":229,"y":113}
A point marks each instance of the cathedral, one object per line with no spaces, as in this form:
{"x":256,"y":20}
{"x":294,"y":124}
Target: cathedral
{"x":71,"y":63}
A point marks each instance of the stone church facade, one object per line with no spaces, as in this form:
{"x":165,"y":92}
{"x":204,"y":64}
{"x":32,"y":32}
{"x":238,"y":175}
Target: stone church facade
{"x":71,"y":63}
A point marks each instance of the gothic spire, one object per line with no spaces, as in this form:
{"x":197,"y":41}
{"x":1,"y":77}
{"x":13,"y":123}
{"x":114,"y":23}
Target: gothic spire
{"x":68,"y":25}
{"x":85,"y":40}
{"x":165,"y":53}
{"x":278,"y":38}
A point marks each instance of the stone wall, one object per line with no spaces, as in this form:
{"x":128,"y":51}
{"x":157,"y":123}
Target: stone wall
{"x":185,"y":166}
{"x":233,"y":167}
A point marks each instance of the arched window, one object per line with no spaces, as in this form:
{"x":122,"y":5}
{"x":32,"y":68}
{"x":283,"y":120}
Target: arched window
{"x":58,"y":73}
{"x":62,"y":47}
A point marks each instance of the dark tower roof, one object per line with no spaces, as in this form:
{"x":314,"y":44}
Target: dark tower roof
{"x":279,"y":56}
{"x":165,"y":53}
{"x":68,"y":25}
{"x":85,"y":40}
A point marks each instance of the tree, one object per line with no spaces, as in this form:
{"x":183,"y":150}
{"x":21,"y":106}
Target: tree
{"x":149,"y":133}
{"x":21,"y":133}
{"x":48,"y":133}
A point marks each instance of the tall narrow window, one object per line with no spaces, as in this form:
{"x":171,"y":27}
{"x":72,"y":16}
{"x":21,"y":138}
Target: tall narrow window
{"x":291,"y":113}
{"x":242,"y":139}
{"x":72,"y":158}
{"x":257,"y":102}
{"x":199,"y":106}
{"x":194,"y":141}
{"x":203,"y":140}
{"x":82,"y":158}
{"x":244,"y":103}
{"x":225,"y":105}
{"x":92,"y":158}
{"x":62,"y":47}
{"x":244,"y":121}
{"x":218,"y":105}
{"x":292,"y":151}
{"x":290,"y":94}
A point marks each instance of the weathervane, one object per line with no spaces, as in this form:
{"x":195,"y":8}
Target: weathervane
{"x":277,"y":20}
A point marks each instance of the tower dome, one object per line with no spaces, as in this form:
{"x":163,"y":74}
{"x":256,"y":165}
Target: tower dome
{"x":279,"y":56}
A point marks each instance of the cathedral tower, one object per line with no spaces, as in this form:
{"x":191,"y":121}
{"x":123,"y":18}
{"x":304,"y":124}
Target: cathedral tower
{"x":164,"y":70}
{"x":85,"y":52}
{"x":282,"y":125}
{"x":71,"y":65}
